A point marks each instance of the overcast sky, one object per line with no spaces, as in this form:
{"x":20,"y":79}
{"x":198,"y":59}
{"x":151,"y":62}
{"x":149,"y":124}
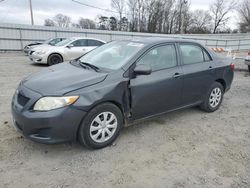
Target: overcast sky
{"x":17,"y":11}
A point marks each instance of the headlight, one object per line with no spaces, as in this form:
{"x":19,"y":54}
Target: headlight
{"x":41,"y":52}
{"x":50,"y":103}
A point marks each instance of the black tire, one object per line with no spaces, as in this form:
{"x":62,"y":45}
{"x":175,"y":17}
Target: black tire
{"x":249,"y":68}
{"x":84,"y":135}
{"x":206,"y":105}
{"x":54,"y":59}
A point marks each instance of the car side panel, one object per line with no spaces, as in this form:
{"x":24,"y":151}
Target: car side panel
{"x":224,"y":72}
{"x":155,"y":93}
{"x":115,"y":91}
{"x":197,"y":79}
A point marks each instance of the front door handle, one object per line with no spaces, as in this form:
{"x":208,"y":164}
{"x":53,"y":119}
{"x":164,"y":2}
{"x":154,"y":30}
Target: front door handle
{"x":210,"y":67}
{"x":177,"y":75}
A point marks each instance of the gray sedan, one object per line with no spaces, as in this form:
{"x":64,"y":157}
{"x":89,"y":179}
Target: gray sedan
{"x":92,"y":98}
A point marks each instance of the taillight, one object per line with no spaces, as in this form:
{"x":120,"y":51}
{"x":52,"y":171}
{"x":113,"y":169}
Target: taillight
{"x":232,"y":66}
{"x":248,"y":53}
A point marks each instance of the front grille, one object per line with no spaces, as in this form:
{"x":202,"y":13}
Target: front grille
{"x":22,"y":100}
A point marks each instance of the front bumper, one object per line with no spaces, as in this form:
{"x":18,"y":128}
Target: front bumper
{"x":38,"y":58}
{"x":55,"y":126}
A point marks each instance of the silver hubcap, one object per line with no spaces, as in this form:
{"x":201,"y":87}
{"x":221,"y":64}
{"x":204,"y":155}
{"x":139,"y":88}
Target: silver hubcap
{"x":103,"y":127}
{"x":215,"y":97}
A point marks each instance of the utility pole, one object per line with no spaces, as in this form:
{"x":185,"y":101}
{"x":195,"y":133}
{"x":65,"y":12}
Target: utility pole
{"x":182,"y":3}
{"x":31,"y":13}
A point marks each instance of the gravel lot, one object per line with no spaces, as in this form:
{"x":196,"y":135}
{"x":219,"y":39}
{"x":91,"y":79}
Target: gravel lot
{"x":188,"y":148}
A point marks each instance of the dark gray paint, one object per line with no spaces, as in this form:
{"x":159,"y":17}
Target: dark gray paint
{"x":138,"y":96}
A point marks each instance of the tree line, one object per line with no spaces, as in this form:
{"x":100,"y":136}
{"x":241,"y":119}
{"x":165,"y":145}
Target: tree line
{"x":164,"y":16}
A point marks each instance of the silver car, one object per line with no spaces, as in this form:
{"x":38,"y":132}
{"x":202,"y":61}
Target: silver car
{"x":49,"y":42}
{"x":65,"y":50}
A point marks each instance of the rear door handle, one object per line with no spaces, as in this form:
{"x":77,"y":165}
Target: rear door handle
{"x":177,"y":75}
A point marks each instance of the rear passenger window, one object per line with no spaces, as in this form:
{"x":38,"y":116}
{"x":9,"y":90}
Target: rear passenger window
{"x":191,"y":54}
{"x":159,"y":58}
{"x":94,"y":43}
{"x":80,"y":43}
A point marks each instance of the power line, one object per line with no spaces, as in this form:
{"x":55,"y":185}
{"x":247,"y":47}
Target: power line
{"x":95,"y":7}
{"x":91,"y":6}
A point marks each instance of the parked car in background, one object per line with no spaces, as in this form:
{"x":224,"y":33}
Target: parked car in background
{"x":92,"y":98}
{"x":51,"y":42}
{"x":66,"y":50}
{"x":247,"y":61}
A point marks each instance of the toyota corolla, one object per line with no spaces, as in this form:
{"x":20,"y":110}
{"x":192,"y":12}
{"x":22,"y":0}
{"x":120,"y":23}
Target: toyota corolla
{"x":92,"y":98}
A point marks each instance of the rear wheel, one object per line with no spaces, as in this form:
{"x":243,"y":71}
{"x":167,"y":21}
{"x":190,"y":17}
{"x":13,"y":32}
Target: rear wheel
{"x":54,"y":59}
{"x":249,"y":68}
{"x":101,"y":126}
{"x":213,"y":98}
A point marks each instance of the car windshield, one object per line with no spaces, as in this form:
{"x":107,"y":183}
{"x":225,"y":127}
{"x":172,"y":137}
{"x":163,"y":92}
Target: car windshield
{"x":112,"y":55}
{"x":53,"y":42}
{"x":64,"y":42}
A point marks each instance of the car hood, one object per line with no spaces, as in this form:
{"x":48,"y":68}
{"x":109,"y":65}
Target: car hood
{"x":40,"y":47}
{"x":34,"y":44}
{"x":61,"y":79}
{"x":46,"y":47}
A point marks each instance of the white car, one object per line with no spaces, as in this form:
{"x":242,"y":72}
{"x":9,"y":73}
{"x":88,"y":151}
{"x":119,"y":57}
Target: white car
{"x":65,"y":50}
{"x":49,"y":42}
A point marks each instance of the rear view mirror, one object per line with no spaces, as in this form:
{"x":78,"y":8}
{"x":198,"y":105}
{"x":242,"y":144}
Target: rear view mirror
{"x":142,"y":70}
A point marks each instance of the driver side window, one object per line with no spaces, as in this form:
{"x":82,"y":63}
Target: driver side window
{"x":161,"y":57}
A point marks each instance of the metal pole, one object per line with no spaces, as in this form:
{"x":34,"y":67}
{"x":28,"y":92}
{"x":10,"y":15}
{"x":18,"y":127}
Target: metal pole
{"x":21,"y":38}
{"x":182,"y":3}
{"x":31,"y":13}
{"x":182,"y":19}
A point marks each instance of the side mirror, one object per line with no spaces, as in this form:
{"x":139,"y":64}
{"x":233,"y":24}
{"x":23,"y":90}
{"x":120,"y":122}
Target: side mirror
{"x":70,"y":46}
{"x":142,"y":70}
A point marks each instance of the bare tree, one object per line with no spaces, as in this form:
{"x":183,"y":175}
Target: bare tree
{"x":132,"y":10}
{"x":168,"y":16}
{"x":183,"y":14}
{"x":200,"y":22}
{"x":154,"y":9}
{"x":220,"y":10}
{"x":86,"y":23}
{"x":49,"y":22}
{"x":62,"y":20}
{"x":142,"y":22}
{"x":119,"y":6}
{"x":244,"y":13}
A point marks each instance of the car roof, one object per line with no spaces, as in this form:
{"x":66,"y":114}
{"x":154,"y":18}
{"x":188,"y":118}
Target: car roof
{"x":77,"y":38}
{"x":156,"y":40}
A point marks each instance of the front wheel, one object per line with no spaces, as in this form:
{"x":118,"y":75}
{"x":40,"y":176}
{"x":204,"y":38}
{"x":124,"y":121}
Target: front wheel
{"x":101,"y":126}
{"x":249,"y":68}
{"x":54,"y":59}
{"x":213,"y":98}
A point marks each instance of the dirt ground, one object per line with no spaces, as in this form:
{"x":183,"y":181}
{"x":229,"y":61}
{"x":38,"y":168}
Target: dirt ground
{"x":188,"y":148}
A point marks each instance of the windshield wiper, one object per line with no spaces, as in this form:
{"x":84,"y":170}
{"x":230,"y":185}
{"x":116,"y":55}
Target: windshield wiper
{"x":84,"y":64}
